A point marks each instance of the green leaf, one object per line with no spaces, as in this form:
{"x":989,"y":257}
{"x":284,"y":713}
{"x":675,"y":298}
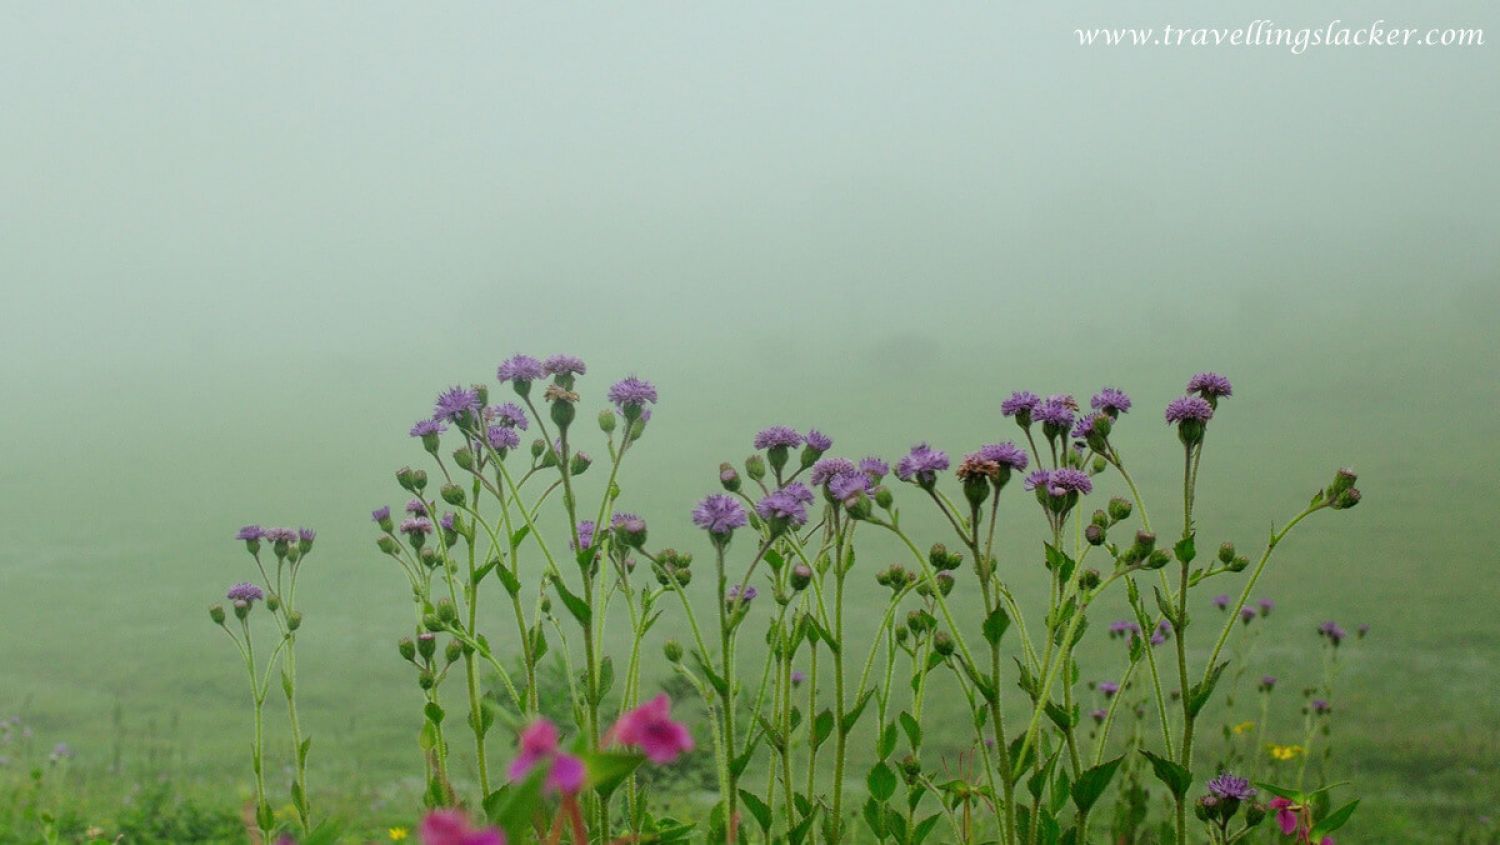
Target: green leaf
{"x":1202,"y":692}
{"x":875,"y":817}
{"x":1167,"y":610}
{"x":1333,"y":821}
{"x":913,"y":729}
{"x":799,"y":832}
{"x":516,"y":538}
{"x":434,"y":712}
{"x":995,"y":625}
{"x":1092,"y":783}
{"x":852,"y":717}
{"x":302,"y":749}
{"x":822,"y":727}
{"x":882,"y":782}
{"x":924,"y":827}
{"x":608,"y":769}
{"x":758,"y":809}
{"x":887,"y":742}
{"x":1186,"y":549}
{"x":713,"y":677}
{"x":509,"y":579}
{"x":427,"y":737}
{"x":1064,"y":719}
{"x":606,"y":678}
{"x":774,"y":560}
{"x":576,"y":606}
{"x":1174,"y":776}
{"x":511,"y":806}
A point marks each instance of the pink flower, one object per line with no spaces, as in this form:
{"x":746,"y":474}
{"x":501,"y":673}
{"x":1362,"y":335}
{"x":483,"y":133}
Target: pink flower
{"x":565,"y":772}
{"x":650,"y":728}
{"x":451,"y":827}
{"x":1286,"y":819}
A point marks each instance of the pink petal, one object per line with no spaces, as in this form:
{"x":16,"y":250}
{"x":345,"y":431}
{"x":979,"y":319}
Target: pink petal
{"x":566,"y":774}
{"x":444,"y":827}
{"x":1287,"y":821}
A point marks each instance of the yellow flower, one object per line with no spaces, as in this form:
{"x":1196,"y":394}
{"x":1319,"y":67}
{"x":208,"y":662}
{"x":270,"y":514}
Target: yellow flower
{"x":1243,"y":727}
{"x":397,"y":834}
{"x":1285,"y":752}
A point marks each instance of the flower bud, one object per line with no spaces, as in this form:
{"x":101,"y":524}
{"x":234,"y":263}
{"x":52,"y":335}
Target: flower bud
{"x":426,"y":680}
{"x":1094,"y":535}
{"x":429,"y":557}
{"x":911,"y":768}
{"x":562,"y":412}
{"x":453,"y":651}
{"x":1239,"y":564}
{"x":755,"y":467}
{"x":241,"y":609}
{"x":1347,"y":499}
{"x":1158,"y":559}
{"x":1145,"y":541}
{"x":1226,"y":553}
{"x":403,"y":477}
{"x":942,"y":643}
{"x":945,"y":582}
{"x":729,"y":478}
{"x":683,"y":576}
{"x":406,"y":648}
{"x":1089,"y":579}
{"x":1206,"y":808}
{"x":273,"y":602}
{"x":884,"y":497}
{"x":426,"y":645}
{"x":432,"y":623}
{"x":1342,"y":480}
{"x":216,"y":613}
{"x":801,"y":576}
{"x":1119,"y":509}
{"x":538,"y":448}
{"x":579,"y":463}
{"x":446,"y":611}
{"x":419,"y":480}
{"x":1254,"y":814}
{"x":673,"y":651}
{"x":294,"y":620}
{"x":1100,"y":518}
{"x":464,"y":457}
{"x":607,"y":421}
{"x":453,"y":494}
{"x":387,"y":544}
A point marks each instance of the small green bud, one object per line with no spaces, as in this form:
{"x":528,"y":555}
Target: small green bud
{"x":579,"y":463}
{"x":607,"y":421}
{"x":1254,"y":814}
{"x":801,"y":576}
{"x":729,"y":478}
{"x":446,"y":611}
{"x":1347,"y":499}
{"x":464,"y":457}
{"x":387,"y":544}
{"x":1089,"y":579}
{"x":426,"y":645}
{"x":1158,"y":559}
{"x":673,"y":651}
{"x":453,"y":494}
{"x":1342,"y":480}
{"x":294,"y":620}
{"x":1145,"y":541}
{"x":942,"y":643}
{"x":453,"y":651}
{"x":407,"y":648}
{"x":1119,"y":508}
{"x":884,"y":497}
{"x":432,"y":623}
{"x":1239,"y":564}
{"x":1094,"y":535}
{"x":241,"y":609}
{"x":538,"y":447}
{"x":563,"y":413}
{"x":755,"y":467}
{"x":404,"y":478}
{"x":1100,"y":518}
{"x":273,"y":602}
{"x":1226,"y":553}
{"x":216,"y":613}
{"x":426,"y":680}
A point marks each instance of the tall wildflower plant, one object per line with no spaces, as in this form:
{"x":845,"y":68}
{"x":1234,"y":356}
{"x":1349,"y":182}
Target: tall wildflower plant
{"x":278,"y":554}
{"x":782,"y":537}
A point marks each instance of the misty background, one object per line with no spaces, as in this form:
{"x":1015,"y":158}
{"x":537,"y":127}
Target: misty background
{"x":242,"y":247}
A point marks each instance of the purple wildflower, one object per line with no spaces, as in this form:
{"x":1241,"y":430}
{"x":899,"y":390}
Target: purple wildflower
{"x":281,"y":535}
{"x":428,"y":428}
{"x":1221,"y":601}
{"x":732,"y":595}
{"x":250,"y":533}
{"x":245,"y":592}
{"x":875,"y":467}
{"x":1189,"y":408}
{"x":630,"y":394}
{"x":719,"y":514}
{"x":1020,"y":404}
{"x":798,"y":677}
{"x":784,"y":505}
{"x":1060,"y":482}
{"x":1099,"y":714}
{"x":847,"y":485}
{"x":1228,"y":786}
{"x":448,"y":521}
{"x":502,"y":437}
{"x":922,"y":464}
{"x":520,"y":368}
{"x":1084,"y":429}
{"x":453,"y":403}
{"x":380,"y":514}
{"x":1124,"y":627}
{"x":1055,"y":411}
{"x":827,"y":468}
{"x":1321,"y":706}
{"x":1005,"y":454}
{"x":509,"y":415}
{"x":1267,"y":682}
{"x":1210,"y":385}
{"x":585,"y":536}
{"x":416,"y":525}
{"x":1247,"y":614}
{"x":1110,"y":400}
{"x":416,"y":507}
{"x":1332,"y":632}
{"x":818,"y":441}
{"x":306,"y":535}
{"x":564,"y":365}
{"x":1109,"y":688}
{"x":1266,"y":606}
{"x":778,"y":436}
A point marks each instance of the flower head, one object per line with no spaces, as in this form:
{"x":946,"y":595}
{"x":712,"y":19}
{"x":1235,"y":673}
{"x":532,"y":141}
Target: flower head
{"x":250,"y":533}
{"x":734,"y":596}
{"x":1267,"y":682}
{"x":1110,"y":400}
{"x":564,"y":365}
{"x":416,"y":525}
{"x":245,"y":592}
{"x":380,"y":514}
{"x":1109,"y":688}
{"x":1266,"y":606}
{"x":1060,"y":482}
{"x":1005,"y":454}
{"x":428,"y":428}
{"x":922,"y":464}
{"x":1332,"y":632}
{"x":827,"y":468}
{"x":785,"y":505}
{"x":519,"y":368}
{"x":453,"y":403}
{"x":798,"y":677}
{"x":650,"y":728}
{"x":416,"y":507}
{"x":719,"y":514}
{"x":539,"y":746}
{"x":1221,"y":601}
{"x":1020,"y":404}
{"x":585,"y":535}
{"x":778,"y":436}
{"x":509,"y":415}
{"x":451,"y":827}
{"x":1247,"y":614}
{"x":875,"y":467}
{"x":1055,"y":410}
{"x":819,"y":441}
{"x":631,"y":394}
{"x":1231,"y":787}
{"x":502,"y":437}
{"x":848,"y":485}
{"x":1189,"y":409}
{"x":282,"y":535}
{"x":1209,"y":385}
